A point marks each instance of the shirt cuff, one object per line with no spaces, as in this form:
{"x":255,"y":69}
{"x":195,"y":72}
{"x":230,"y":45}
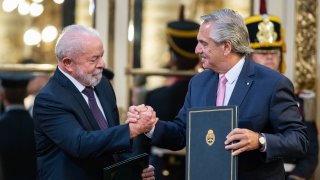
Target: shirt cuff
{"x":150,"y":133}
{"x":264,"y":148}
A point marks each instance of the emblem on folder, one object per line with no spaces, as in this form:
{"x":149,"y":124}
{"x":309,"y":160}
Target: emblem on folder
{"x":210,"y":137}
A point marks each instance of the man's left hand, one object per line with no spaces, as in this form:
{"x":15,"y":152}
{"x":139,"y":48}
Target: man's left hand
{"x":241,"y":140}
{"x":148,"y":173}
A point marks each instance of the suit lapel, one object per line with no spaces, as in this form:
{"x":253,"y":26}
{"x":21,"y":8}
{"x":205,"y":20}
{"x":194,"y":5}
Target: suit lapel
{"x":212,"y":95}
{"x":244,"y":83}
{"x":89,"y":121}
{"x":106,"y":106}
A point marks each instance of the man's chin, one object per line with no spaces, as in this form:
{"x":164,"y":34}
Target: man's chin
{"x":205,"y":65}
{"x":96,"y":81}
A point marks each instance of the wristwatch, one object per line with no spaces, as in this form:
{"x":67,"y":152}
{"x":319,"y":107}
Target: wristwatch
{"x":262,"y":142}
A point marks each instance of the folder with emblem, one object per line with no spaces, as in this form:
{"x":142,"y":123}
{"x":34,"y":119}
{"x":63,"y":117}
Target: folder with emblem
{"x":130,"y":168}
{"x":207,"y":129}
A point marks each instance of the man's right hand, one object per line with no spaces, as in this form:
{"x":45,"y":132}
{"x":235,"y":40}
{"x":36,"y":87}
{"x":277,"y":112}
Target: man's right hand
{"x":141,"y":119}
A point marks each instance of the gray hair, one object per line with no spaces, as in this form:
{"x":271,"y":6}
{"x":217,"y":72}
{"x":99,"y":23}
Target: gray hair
{"x":229,"y":26}
{"x":70,"y":42}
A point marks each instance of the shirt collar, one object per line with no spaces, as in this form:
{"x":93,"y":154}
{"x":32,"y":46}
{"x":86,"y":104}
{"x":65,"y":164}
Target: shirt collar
{"x":78,"y":85}
{"x":234,"y":72}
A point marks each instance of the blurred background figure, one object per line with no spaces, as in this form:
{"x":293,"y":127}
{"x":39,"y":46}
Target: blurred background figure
{"x":267,"y":41}
{"x":167,"y":100}
{"x":108,"y":74}
{"x":139,"y":90}
{"x":17,"y":143}
{"x":35,"y":84}
{"x":182,"y":40}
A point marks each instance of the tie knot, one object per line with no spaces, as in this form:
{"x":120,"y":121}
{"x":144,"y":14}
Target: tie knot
{"x":223,"y":79}
{"x":88,"y":91}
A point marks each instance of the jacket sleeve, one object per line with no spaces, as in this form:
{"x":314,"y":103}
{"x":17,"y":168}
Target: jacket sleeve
{"x":306,"y":165}
{"x":63,"y":123}
{"x":290,"y":137}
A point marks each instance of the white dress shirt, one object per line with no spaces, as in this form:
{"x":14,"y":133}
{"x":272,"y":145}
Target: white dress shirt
{"x":232,"y":77}
{"x":81,"y":87}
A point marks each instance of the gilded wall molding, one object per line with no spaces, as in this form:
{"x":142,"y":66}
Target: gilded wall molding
{"x":306,"y":44}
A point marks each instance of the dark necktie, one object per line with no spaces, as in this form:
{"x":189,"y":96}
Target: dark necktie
{"x":88,"y":91}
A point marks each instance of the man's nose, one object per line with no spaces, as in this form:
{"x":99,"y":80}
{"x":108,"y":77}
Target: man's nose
{"x":269,"y":56}
{"x":101,"y":62}
{"x":197,"y":49}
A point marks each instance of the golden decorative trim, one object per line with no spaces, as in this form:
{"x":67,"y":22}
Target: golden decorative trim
{"x":182,"y":33}
{"x":258,"y":18}
{"x":306,"y":44}
{"x":180,"y":50}
{"x":266,"y":44}
{"x":159,"y":72}
{"x":47,"y":68}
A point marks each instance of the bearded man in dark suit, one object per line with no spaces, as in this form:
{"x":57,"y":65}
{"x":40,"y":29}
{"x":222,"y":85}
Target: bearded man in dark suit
{"x":76,"y":117}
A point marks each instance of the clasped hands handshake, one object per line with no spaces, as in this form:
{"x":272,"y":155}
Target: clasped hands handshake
{"x":141,"y":119}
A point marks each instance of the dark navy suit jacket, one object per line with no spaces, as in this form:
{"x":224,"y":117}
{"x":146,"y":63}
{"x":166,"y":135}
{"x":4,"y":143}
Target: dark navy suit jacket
{"x":69,"y":142}
{"x":17,"y":146}
{"x":167,"y":101}
{"x":266,"y":104}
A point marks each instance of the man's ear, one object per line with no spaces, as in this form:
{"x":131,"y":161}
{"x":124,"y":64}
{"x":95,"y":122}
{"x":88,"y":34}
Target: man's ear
{"x":227,"y":47}
{"x":67,"y":63}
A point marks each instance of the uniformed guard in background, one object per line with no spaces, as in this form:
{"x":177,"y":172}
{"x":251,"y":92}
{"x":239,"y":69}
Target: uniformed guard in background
{"x":267,"y":40}
{"x":17,"y":143}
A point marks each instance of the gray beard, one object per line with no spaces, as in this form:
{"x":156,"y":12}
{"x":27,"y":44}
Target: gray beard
{"x":88,"y":79}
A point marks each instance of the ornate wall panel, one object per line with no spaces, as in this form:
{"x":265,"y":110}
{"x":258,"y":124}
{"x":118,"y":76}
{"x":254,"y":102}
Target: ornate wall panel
{"x":306,"y":44}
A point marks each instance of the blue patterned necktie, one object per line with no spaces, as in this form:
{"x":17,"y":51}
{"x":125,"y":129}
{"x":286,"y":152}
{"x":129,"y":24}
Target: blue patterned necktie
{"x":88,"y":91}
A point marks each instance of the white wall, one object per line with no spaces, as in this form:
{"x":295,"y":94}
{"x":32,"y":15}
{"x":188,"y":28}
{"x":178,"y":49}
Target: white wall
{"x":102,"y":24}
{"x":120,"y":44}
{"x":121,"y":51}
